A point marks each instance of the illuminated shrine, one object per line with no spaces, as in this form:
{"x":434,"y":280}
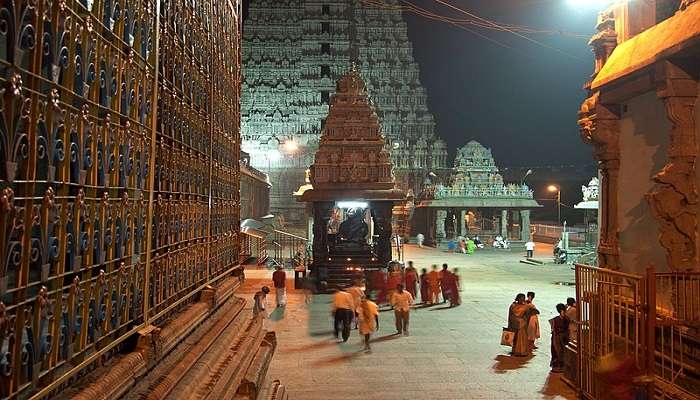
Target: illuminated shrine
{"x":353,"y":188}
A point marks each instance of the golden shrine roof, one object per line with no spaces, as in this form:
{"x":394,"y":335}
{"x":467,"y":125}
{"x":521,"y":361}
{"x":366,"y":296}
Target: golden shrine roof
{"x":656,"y":43}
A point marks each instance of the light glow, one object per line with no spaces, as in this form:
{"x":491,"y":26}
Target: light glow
{"x":553,"y":188}
{"x":290,"y":146}
{"x":274,"y":155}
{"x":351,"y":204}
{"x":589,"y":3}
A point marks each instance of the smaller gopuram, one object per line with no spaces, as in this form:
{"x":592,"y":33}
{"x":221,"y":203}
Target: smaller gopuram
{"x":353,"y":190}
{"x":476,"y":202}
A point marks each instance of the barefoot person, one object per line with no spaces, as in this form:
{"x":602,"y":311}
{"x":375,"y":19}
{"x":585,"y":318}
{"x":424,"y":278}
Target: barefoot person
{"x":518,"y":316}
{"x":424,"y":287}
{"x":560,"y":337}
{"x":260,"y":301}
{"x":411,"y":278}
{"x":533,"y":324}
{"x":343,"y":312}
{"x":402,"y":302}
{"x":434,"y":284}
{"x":449,"y":286}
{"x":368,"y":317}
{"x":357,"y":294}
{"x":279,"y":279}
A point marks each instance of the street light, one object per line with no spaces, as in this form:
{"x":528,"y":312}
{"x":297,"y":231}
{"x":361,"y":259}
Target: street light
{"x":528,"y":173}
{"x":554,"y":188}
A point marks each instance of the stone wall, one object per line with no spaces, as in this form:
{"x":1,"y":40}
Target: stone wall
{"x":643,"y":145}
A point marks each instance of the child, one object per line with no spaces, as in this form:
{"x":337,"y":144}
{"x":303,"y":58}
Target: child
{"x":368,"y":317}
{"x":260,"y":300}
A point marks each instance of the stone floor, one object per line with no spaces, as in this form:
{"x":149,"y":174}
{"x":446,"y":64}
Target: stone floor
{"x":450,"y":354}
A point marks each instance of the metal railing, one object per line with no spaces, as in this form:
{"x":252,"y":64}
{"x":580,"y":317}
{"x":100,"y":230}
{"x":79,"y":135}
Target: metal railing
{"x":287,"y":249}
{"x":609,"y":307}
{"x":253,"y":247}
{"x":678,"y":314}
{"x":648,"y":317}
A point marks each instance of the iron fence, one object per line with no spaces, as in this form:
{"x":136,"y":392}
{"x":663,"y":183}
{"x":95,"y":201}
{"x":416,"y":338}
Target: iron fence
{"x":288,"y":250}
{"x":253,"y":246}
{"x":119,"y":174}
{"x":678,"y":321}
{"x":650,"y":318}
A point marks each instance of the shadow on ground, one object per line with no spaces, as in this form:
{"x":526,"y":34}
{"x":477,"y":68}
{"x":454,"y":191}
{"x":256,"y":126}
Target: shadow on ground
{"x":345,"y":357}
{"x":278,"y":314}
{"x":506,"y":363}
{"x":311,"y":347}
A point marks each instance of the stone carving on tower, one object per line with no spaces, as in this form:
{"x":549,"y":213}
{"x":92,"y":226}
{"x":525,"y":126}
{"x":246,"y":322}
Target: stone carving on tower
{"x":293,"y":53}
{"x":476,"y":175}
{"x":351,"y":153}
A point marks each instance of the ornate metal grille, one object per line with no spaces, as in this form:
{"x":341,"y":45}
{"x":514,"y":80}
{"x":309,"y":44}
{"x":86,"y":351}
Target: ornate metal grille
{"x":119,"y":172}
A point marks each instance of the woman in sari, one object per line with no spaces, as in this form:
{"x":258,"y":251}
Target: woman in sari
{"x":395,"y":278}
{"x":411,"y":277}
{"x":449,"y":287}
{"x":518,"y":317}
{"x":434,"y":283}
{"x":424,"y":286}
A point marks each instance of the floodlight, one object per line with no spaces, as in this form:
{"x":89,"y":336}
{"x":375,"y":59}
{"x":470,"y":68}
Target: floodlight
{"x":352,"y":204}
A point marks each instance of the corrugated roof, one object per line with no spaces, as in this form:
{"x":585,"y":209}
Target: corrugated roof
{"x":656,"y":43}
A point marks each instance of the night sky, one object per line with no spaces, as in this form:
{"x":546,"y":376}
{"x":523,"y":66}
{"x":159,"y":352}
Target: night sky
{"x":518,"y":98}
{"x":521,"y":98}
{"x":521,"y":102}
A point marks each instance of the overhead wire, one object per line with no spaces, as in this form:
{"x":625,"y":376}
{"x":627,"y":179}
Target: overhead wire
{"x":472,"y":21}
{"x":435,"y":17}
{"x":475,"y":21}
{"x":509,"y":30}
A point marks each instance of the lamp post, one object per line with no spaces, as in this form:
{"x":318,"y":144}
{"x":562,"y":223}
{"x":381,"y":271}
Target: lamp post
{"x":528,"y":173}
{"x":554,"y":188}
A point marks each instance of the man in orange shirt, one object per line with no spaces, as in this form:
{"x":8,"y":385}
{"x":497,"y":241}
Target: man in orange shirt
{"x":434,"y":282}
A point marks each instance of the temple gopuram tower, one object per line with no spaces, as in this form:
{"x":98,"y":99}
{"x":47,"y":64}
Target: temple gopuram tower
{"x":294,"y":51}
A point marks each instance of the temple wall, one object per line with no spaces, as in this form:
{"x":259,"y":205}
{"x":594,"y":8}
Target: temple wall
{"x":697,"y":166}
{"x":644,"y":138}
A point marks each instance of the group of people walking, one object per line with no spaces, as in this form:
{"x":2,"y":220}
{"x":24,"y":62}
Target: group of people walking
{"x":523,"y":321}
{"x":399,"y":289}
{"x":444,"y":284}
{"x":351,"y":306}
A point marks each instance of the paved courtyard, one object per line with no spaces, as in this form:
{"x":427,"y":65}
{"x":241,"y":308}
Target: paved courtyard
{"x":450,"y":354}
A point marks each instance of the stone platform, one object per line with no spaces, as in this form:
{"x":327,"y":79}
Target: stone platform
{"x":451,"y":353}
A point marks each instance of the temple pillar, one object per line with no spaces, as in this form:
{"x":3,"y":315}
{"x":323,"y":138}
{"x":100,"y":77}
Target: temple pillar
{"x":381,"y":214}
{"x":462,"y":223}
{"x":440,"y":217}
{"x":504,"y":224}
{"x":674,"y":198}
{"x":600,"y":127}
{"x":322,"y":215}
{"x":525,"y":225}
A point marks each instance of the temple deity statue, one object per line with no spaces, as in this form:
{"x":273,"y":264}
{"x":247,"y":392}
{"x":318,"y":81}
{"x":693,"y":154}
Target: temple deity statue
{"x":354,"y":228}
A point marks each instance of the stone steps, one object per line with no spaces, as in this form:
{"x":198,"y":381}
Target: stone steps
{"x":276,"y":391}
{"x":213,"y":349}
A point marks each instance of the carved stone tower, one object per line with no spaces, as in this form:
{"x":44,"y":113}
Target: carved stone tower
{"x":294,"y":51}
{"x":351,"y":166}
{"x":351,"y":153}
